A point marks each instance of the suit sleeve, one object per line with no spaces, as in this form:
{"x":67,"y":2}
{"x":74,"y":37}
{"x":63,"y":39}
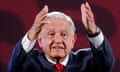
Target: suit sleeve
{"x":18,"y":58}
{"x":103,"y":59}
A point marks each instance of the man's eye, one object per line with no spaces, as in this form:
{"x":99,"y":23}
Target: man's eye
{"x":63,"y":34}
{"x":51,"y":34}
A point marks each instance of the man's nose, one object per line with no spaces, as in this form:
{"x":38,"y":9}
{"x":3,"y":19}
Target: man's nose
{"x":58,"y":39}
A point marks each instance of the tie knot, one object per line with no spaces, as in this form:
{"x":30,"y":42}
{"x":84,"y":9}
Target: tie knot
{"x":59,"y":67}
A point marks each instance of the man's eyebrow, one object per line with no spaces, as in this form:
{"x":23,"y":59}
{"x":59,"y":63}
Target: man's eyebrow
{"x":50,"y":29}
{"x":66,"y":30}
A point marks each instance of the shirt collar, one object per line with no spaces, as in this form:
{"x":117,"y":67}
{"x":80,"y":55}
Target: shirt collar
{"x":63,"y":62}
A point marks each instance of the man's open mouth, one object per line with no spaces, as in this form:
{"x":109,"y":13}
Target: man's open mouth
{"x":58,"y":47}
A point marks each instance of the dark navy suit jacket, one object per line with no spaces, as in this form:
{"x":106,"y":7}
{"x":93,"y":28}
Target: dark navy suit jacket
{"x":91,"y":60}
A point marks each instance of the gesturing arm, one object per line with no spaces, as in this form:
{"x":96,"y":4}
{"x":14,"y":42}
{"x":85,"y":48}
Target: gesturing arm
{"x":25,"y":45}
{"x":103,"y":58}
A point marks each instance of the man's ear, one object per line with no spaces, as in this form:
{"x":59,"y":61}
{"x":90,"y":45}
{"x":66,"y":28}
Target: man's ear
{"x":74,"y":38}
{"x":39,"y":40}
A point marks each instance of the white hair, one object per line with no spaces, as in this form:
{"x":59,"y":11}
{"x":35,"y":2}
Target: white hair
{"x":61,"y":15}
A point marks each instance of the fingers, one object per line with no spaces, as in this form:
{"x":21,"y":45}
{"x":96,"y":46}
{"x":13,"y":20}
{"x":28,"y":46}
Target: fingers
{"x":88,"y":6}
{"x":83,"y":13}
{"x":88,"y":17}
{"x":37,"y":27}
{"x":40,"y":18}
{"x":41,"y":15}
{"x":38,"y":23}
{"x":43,"y":11}
{"x":35,"y":30}
{"x":89,"y":12}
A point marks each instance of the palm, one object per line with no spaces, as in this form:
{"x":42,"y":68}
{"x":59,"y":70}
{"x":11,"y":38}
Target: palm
{"x":88,"y":18}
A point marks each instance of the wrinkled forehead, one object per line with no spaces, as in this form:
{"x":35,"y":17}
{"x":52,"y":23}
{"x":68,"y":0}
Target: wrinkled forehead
{"x":57,"y":21}
{"x":56,"y":25}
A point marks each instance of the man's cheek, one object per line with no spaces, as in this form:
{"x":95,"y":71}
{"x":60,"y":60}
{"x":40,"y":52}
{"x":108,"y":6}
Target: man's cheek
{"x":70,"y":44}
{"x":44,"y":43}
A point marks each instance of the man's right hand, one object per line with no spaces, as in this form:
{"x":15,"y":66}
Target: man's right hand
{"x":38,"y":23}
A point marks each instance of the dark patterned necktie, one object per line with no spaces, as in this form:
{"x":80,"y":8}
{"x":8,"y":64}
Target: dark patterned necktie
{"x":59,"y":67}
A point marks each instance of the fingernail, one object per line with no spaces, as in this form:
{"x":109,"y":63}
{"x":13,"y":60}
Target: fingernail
{"x":87,"y":3}
{"x":45,"y":6}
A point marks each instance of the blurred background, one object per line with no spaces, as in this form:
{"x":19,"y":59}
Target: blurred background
{"x":17,"y":16}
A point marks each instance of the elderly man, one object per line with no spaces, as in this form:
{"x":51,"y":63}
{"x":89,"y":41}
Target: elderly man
{"x":55,"y":33}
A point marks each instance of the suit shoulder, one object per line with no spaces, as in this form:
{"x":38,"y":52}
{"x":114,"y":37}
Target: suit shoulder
{"x":82,"y":51}
{"x":35,"y":52}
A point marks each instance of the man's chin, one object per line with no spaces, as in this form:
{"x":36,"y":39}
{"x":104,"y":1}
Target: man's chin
{"x":58,"y":59}
{"x":58,"y":55}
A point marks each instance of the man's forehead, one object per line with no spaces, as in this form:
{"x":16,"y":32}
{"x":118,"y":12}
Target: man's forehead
{"x":57,"y":20}
{"x":57,"y":23}
{"x":60,"y":29}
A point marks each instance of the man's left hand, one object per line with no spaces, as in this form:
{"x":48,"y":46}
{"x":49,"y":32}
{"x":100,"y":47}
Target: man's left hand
{"x":88,"y":18}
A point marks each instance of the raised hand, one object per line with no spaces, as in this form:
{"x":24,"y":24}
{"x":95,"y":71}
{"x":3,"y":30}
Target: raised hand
{"x":88,"y":18}
{"x":38,"y":23}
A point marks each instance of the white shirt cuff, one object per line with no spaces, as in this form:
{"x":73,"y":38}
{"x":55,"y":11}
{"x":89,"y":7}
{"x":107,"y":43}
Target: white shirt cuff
{"x":27,"y":44}
{"x":97,"y":40}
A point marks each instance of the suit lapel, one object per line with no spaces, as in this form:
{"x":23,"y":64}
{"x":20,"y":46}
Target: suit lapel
{"x":45,"y":63}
